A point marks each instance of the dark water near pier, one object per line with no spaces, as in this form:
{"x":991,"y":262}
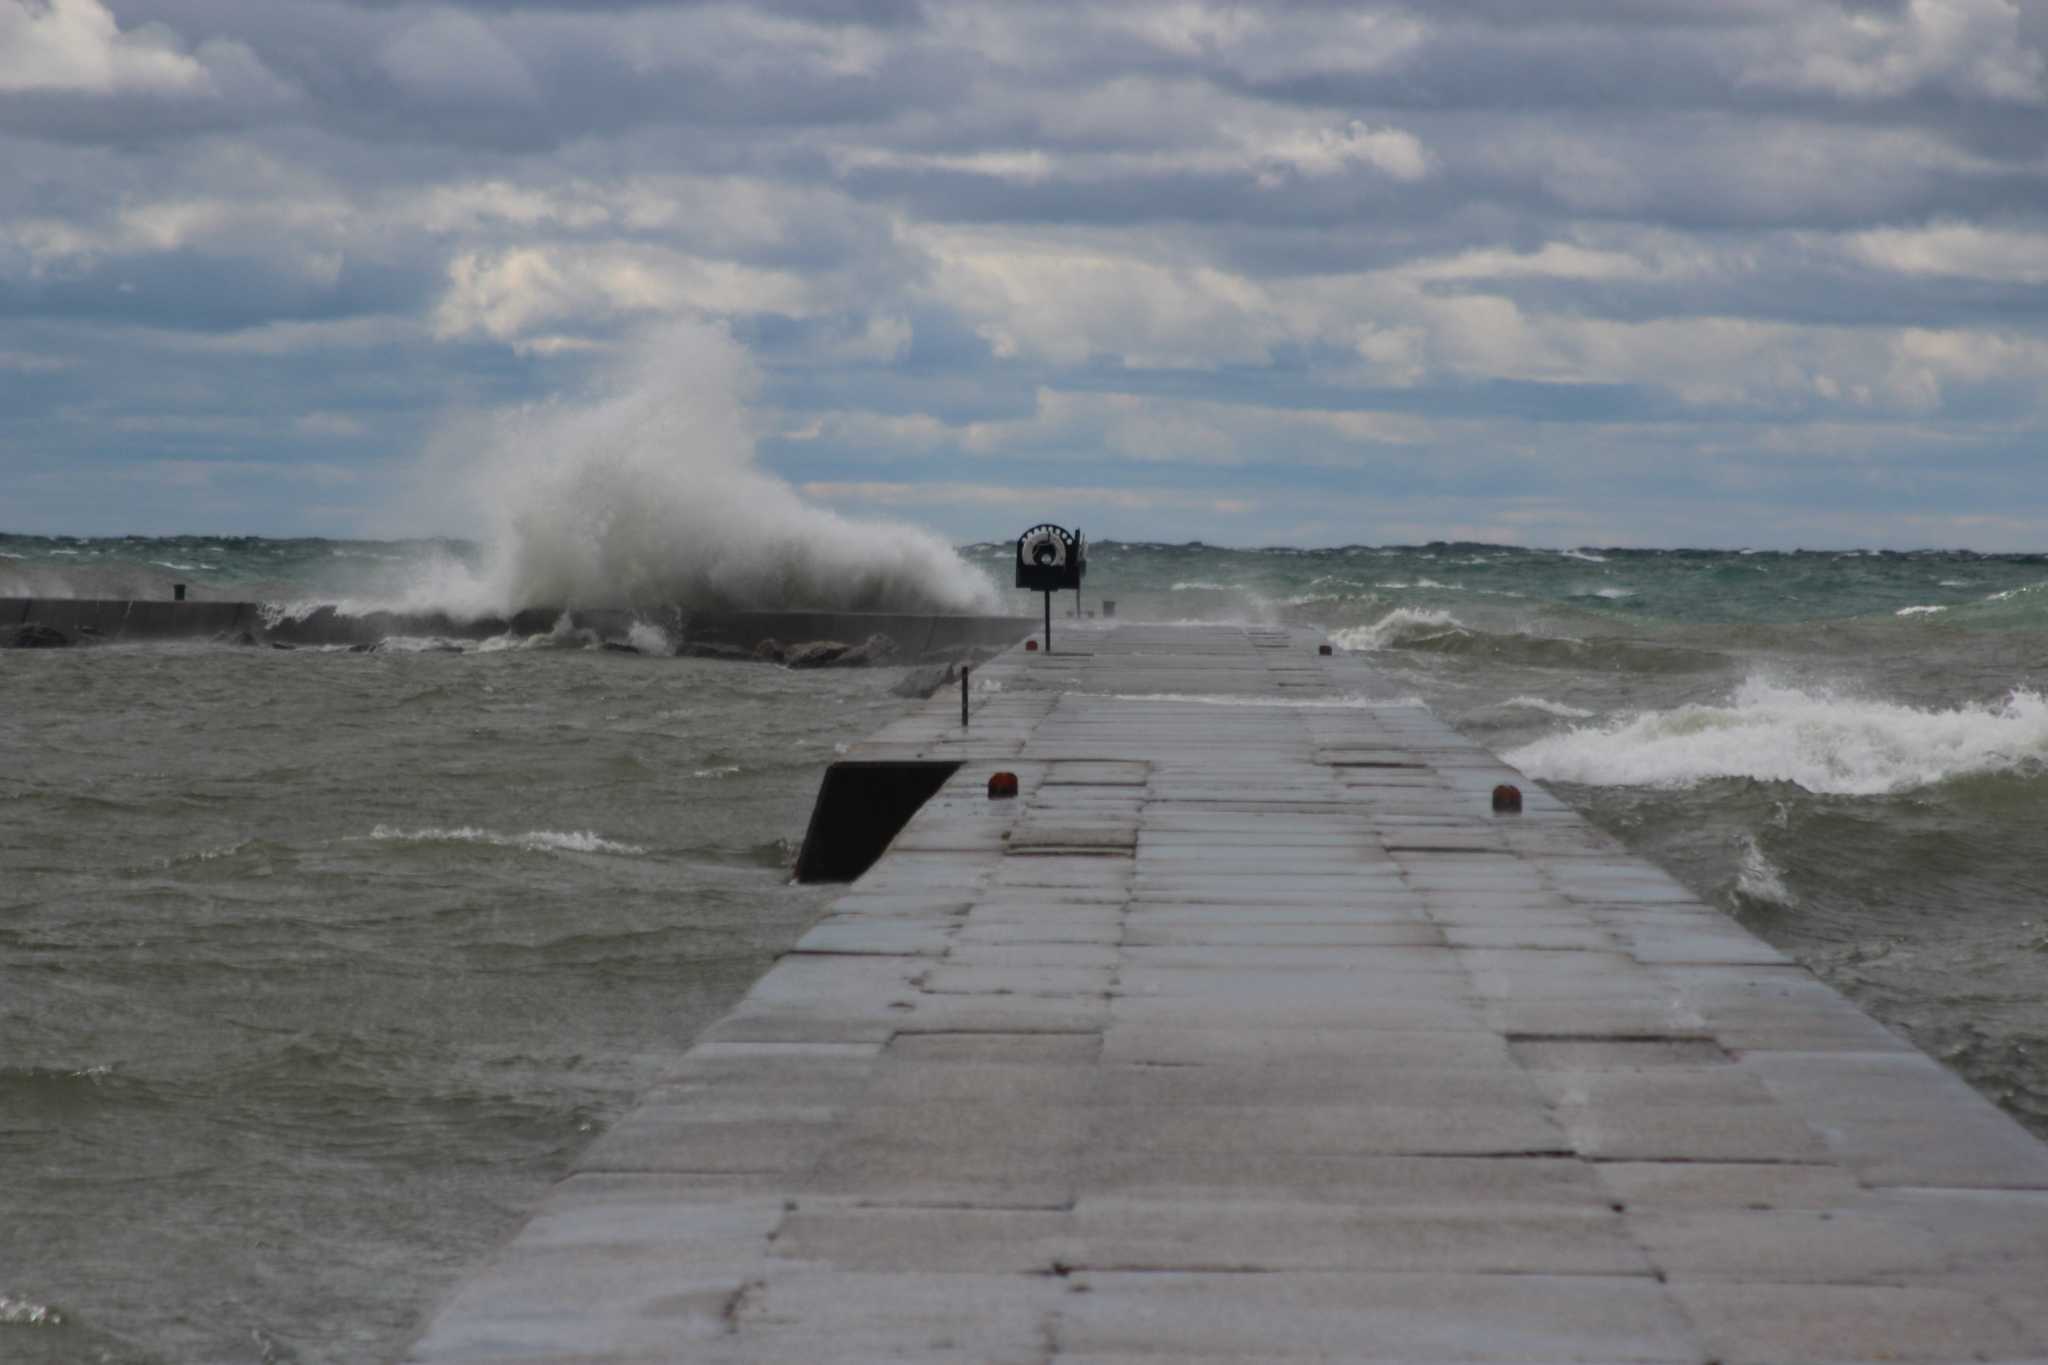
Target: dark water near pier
{"x":316,"y":967}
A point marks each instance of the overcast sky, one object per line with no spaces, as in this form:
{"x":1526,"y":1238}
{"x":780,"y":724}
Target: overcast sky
{"x":1651,"y":272}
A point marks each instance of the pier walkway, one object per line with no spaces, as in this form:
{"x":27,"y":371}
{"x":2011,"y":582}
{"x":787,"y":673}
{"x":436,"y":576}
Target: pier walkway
{"x":1250,"y":1032}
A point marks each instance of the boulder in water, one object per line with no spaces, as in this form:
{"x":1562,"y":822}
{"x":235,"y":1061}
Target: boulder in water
{"x":875,"y":649}
{"x":920,"y":683}
{"x":816,"y":654}
{"x":34,"y":635}
{"x":713,"y":649}
{"x":771,"y":650}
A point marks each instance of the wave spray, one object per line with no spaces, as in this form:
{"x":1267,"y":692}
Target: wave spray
{"x":648,"y":495}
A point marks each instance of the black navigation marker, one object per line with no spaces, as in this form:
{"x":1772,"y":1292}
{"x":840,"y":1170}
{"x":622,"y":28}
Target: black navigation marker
{"x":1050,"y":558}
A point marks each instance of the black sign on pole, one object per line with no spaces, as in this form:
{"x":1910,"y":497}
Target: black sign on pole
{"x":1050,"y":558}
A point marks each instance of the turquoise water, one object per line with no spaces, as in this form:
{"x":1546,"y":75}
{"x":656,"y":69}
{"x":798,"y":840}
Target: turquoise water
{"x":316,"y":967}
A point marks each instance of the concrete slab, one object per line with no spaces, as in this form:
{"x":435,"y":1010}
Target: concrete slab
{"x":1260,"y":1038}
{"x":1744,"y":1323}
{"x":1365,"y":1317}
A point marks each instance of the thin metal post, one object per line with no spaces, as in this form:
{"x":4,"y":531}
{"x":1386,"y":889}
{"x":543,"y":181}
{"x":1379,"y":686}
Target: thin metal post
{"x":964,"y":671}
{"x":1048,"y":623}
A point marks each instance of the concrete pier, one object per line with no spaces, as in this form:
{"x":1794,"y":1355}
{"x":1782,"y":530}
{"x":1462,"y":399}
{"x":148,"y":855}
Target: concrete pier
{"x":1249,"y":1032}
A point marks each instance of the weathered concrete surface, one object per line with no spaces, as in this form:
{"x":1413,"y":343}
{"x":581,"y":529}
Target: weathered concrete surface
{"x":1250,"y":1033}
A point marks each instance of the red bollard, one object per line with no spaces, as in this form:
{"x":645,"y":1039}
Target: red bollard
{"x":1507,"y":800}
{"x":1001,"y":785}
{"x":1031,"y":646}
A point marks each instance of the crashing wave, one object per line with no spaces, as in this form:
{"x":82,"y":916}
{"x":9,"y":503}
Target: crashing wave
{"x":1817,"y":740}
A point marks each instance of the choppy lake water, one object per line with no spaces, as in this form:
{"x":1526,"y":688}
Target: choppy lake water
{"x":317,"y":967}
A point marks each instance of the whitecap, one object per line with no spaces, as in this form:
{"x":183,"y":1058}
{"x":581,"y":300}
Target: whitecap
{"x":1399,"y":626}
{"x":423,"y":644}
{"x":1918,"y":611}
{"x":1758,"y":880}
{"x":24,"y":1313}
{"x":1817,"y":740}
{"x":728,"y":770}
{"x":1587,"y":555}
{"x":533,"y":841}
{"x":1548,"y":707}
{"x":1615,"y":594}
{"x":1197,"y":585}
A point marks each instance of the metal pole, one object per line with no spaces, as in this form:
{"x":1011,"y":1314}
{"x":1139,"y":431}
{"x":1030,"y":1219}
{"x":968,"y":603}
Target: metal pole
{"x":964,"y":671}
{"x":1048,"y":622}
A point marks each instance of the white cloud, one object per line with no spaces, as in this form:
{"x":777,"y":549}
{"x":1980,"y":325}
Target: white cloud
{"x":882,"y":493}
{"x":1326,"y":152}
{"x":1147,"y":428}
{"x":77,"y":45}
{"x":1956,"y":250}
{"x":1065,"y":300}
{"x":1188,"y":28}
{"x":1971,"y":48}
{"x":507,"y":295}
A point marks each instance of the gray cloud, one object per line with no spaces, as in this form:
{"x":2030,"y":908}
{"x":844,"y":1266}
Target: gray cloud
{"x":1248,"y":252}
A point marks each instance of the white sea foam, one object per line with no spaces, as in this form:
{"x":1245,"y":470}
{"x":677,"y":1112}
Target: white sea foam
{"x":1551,"y":708}
{"x":648,"y":495}
{"x":1398,"y":626}
{"x":533,"y":841}
{"x":1586,"y":555}
{"x":1918,"y":611}
{"x":1815,"y":739}
{"x":26,"y":1313}
{"x":649,"y":639}
{"x":1195,"y":586}
{"x":424,"y":644}
{"x":1758,"y":879}
{"x":726,"y":770}
{"x":1615,"y":594}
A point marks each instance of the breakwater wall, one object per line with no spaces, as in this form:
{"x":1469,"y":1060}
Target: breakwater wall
{"x":915,"y":633}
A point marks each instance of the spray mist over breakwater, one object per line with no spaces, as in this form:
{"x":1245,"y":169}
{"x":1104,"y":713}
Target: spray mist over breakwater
{"x":648,"y":495}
